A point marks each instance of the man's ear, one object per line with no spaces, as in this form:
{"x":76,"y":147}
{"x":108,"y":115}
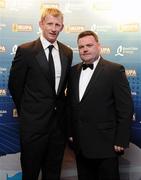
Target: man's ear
{"x":62,"y":27}
{"x":41,"y":24}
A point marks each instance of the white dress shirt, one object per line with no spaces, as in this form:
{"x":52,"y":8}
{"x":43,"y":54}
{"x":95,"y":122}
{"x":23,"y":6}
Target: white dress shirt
{"x":56,"y":59}
{"x":85,"y":77}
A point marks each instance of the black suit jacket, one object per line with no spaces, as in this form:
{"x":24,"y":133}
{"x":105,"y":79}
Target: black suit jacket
{"x":103,"y":117}
{"x":30,"y":87}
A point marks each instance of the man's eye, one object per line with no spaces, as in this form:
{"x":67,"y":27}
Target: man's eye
{"x":89,"y":45}
{"x":80,"y":47}
{"x":49,"y":24}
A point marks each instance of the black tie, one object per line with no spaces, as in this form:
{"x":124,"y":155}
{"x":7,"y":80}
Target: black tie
{"x":85,"y":66}
{"x":51,"y":66}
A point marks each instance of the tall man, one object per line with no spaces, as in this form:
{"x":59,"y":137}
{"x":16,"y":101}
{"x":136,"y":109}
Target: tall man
{"x":39,"y":102}
{"x":101,"y":111}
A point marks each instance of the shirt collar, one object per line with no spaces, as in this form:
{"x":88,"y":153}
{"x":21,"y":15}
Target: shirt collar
{"x":46,"y":43}
{"x":96,"y":61}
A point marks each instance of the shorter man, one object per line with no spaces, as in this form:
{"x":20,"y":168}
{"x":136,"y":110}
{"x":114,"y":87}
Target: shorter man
{"x":101,"y":111}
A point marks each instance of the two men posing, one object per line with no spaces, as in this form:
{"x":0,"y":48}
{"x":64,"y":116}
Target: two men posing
{"x":98,"y":97}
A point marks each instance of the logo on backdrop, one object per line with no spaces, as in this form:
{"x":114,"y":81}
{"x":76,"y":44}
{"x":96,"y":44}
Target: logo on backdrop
{"x":102,"y":5}
{"x":133,"y":27}
{"x":131,"y":72}
{"x":14,"y":49}
{"x":2,"y":26}
{"x":105,"y":50}
{"x":2,"y":49}
{"x":2,"y":112}
{"x":121,"y":50}
{"x":2,"y":92}
{"x":15,"y":114}
{"x":22,"y":28}
{"x":74,"y":28}
{"x":101,"y":28}
{"x":2,"y":70}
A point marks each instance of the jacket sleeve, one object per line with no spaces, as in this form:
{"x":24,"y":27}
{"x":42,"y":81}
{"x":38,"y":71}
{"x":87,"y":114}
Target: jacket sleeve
{"x":124,"y":107}
{"x":17,"y":77}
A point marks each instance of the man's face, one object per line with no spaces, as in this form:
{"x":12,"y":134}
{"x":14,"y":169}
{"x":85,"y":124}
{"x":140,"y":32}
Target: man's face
{"x":51,"y":27}
{"x":89,"y":49}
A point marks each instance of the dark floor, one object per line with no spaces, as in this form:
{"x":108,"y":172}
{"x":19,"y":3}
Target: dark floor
{"x":69,"y":166}
{"x":128,"y":171}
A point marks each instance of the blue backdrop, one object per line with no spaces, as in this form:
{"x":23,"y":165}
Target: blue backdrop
{"x":119,"y":32}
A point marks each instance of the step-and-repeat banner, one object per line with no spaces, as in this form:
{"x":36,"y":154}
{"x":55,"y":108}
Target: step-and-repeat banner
{"x":117,"y":24}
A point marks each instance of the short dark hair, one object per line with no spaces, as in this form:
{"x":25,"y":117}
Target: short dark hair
{"x":88,"y":33}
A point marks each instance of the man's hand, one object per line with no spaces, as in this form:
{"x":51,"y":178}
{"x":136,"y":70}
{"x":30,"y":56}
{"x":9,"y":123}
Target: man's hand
{"x":118,"y":149}
{"x":70,"y":139}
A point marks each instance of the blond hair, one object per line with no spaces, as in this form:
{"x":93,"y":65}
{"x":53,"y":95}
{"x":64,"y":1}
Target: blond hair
{"x":51,"y":11}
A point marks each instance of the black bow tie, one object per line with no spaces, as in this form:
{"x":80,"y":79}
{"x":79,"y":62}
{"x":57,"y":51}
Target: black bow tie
{"x":85,"y":66}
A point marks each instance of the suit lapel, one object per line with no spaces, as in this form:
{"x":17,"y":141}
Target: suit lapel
{"x":76,"y":77}
{"x":99,"y":69}
{"x":41,"y":59}
{"x":64,"y":63}
{"x":43,"y":63}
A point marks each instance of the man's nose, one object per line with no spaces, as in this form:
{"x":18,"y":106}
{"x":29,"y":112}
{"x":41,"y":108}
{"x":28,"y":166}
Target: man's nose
{"x":54,"y":27}
{"x":85,"y":48}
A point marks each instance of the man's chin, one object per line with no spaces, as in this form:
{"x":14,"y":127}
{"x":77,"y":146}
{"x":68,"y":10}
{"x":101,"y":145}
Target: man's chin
{"x":52,"y":40}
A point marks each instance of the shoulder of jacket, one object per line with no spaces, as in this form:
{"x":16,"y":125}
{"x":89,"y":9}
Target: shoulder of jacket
{"x":111,"y":63}
{"x":64,"y":46}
